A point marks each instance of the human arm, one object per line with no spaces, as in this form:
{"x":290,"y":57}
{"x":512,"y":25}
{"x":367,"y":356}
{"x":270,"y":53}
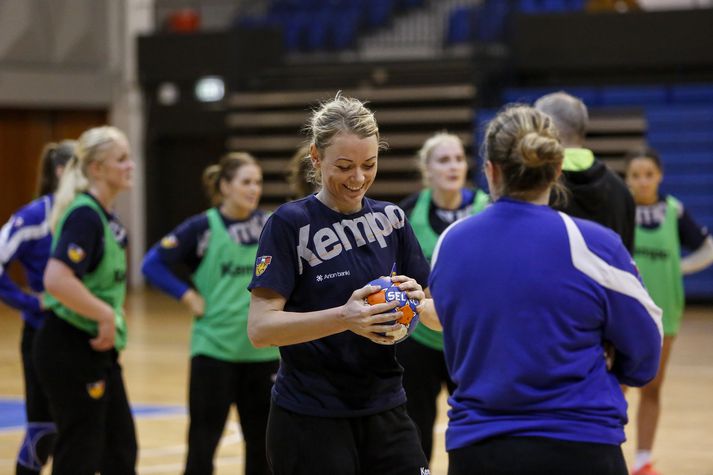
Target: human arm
{"x":270,"y":325}
{"x":696,"y":239}
{"x":632,"y":323}
{"x":13,"y":296}
{"x":426,"y":308}
{"x":160,"y":275}
{"x":428,"y":314}
{"x":178,"y":248}
{"x":15,"y":237}
{"x":61,"y":282}
{"x":698,"y":259}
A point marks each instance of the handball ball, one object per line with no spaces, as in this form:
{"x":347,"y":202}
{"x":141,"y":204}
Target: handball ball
{"x":388,"y":293}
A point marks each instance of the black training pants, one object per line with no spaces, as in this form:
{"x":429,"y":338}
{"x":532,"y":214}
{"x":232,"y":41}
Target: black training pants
{"x":215,"y":386}
{"x":536,"y":456}
{"x":95,"y":429}
{"x":425,"y":373}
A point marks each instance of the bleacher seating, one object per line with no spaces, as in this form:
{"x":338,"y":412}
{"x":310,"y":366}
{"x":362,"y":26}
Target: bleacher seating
{"x":326,"y":25}
{"x":265,"y":124}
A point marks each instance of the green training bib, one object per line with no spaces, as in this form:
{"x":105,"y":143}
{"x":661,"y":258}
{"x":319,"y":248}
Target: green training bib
{"x":657,"y":253}
{"x":428,"y":238}
{"x":107,"y":282}
{"x":222,"y":279}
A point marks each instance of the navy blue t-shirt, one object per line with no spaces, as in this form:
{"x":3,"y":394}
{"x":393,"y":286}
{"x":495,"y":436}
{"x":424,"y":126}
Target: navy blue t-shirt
{"x":187,"y":245}
{"x":316,"y":257}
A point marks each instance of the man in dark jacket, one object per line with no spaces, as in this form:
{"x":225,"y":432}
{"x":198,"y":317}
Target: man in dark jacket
{"x":596,"y":192}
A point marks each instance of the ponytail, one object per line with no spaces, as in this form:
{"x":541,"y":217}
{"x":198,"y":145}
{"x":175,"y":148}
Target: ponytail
{"x":72,"y":183}
{"x":74,"y":180}
{"x":54,"y":155}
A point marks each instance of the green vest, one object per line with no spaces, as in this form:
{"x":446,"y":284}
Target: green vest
{"x":222,"y":279}
{"x":428,"y":238}
{"x":658,"y":256}
{"x":107,"y":282}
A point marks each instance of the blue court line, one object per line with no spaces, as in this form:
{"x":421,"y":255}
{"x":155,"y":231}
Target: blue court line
{"x":12,"y":412}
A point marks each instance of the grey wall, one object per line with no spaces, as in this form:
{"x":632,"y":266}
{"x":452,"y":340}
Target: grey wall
{"x":60,"y":53}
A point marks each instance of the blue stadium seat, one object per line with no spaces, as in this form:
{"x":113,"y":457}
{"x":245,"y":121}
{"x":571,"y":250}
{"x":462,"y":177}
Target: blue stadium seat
{"x":317,"y":32}
{"x":634,"y":95}
{"x":461,"y":25}
{"x":529,"y":6}
{"x":344,"y":29}
{"x":692,"y":93}
{"x":378,"y":12}
{"x":554,"y":6}
{"x":491,"y":20}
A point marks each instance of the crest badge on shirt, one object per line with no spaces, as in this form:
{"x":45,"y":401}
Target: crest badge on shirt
{"x":169,"y":242}
{"x":75,"y":253}
{"x":96,"y":389}
{"x":261,"y":265}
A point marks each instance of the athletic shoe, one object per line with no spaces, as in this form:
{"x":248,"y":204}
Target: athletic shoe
{"x":647,"y":469}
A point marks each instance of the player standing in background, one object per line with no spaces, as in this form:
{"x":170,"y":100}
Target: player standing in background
{"x":595,"y":192}
{"x":219,"y":246}
{"x":528,"y":297}
{"x":338,"y":405}
{"x":445,"y":199}
{"x":663,"y":227}
{"x":26,"y":238}
{"x":76,"y":351}
{"x":298,"y":169}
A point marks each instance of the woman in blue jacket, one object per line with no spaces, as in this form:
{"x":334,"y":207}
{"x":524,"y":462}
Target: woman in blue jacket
{"x":25,"y":238}
{"x":528,"y":299}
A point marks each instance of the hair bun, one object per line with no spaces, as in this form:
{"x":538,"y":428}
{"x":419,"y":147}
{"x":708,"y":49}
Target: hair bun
{"x":539,"y":150}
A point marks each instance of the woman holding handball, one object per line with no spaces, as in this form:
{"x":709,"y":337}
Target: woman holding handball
{"x":540,"y":295}
{"x":338,"y":405}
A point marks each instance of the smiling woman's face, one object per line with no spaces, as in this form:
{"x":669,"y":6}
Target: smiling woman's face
{"x":348,"y":168}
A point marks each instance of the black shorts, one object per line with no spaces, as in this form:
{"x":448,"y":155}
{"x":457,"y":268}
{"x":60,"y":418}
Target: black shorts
{"x":385,"y":443}
{"x":536,"y":456}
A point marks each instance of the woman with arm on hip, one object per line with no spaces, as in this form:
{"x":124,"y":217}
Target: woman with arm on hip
{"x":26,"y":238}
{"x":528,"y":297}
{"x":77,"y":350}
{"x":445,"y":200}
{"x":338,"y":405}
{"x":219,"y":247}
{"x":663,"y":227}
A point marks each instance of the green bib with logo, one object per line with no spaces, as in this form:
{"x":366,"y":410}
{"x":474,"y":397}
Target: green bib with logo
{"x":657,"y":253}
{"x":428,"y":238}
{"x":107,"y":282}
{"x":222,"y":279}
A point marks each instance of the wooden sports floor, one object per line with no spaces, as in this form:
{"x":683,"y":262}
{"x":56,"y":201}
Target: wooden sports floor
{"x":155,"y":368}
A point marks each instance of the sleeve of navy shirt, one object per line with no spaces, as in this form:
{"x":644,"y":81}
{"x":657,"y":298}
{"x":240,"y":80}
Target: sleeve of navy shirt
{"x":178,"y":247}
{"x":277,"y":247}
{"x":12,"y":245}
{"x":691,"y":235}
{"x":632,"y":329}
{"x":81,"y":244}
{"x":413,"y":263}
